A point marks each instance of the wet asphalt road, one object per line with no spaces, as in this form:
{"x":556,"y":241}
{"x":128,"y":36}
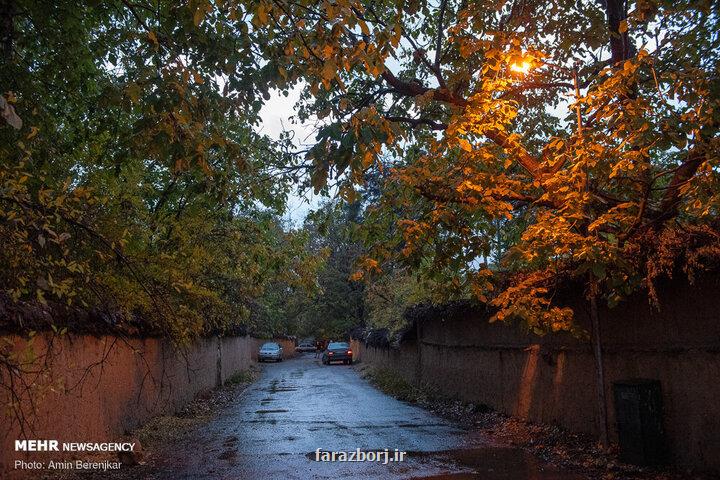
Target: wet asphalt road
{"x":299,"y":405}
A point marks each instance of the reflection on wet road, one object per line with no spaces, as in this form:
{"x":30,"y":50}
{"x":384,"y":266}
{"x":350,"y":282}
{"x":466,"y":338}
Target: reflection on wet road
{"x":299,"y":405}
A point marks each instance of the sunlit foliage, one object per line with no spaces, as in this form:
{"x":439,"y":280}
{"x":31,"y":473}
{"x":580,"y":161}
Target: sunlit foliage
{"x":579,"y":133}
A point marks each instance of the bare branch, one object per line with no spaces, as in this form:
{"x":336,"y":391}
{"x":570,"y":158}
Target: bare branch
{"x":415,"y":122}
{"x":440,"y":26}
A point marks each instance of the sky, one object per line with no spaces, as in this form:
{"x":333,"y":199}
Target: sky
{"x":277,"y":115}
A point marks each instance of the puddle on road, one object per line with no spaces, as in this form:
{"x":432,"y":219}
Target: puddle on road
{"x":228,"y":455}
{"x":280,"y":389}
{"x":485,"y":463}
{"x":453,"y":476}
{"x":275,"y":387}
{"x":264,"y":420}
{"x":493,"y":463}
{"x":404,"y":425}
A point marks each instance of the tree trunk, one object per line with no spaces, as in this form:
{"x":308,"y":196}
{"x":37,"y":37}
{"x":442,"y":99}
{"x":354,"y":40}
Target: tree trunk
{"x":7,"y":27}
{"x":621,"y":48}
{"x":418,"y":344}
{"x":599,"y":365}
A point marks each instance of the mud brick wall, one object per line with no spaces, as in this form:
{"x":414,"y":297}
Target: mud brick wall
{"x":99,"y":388}
{"x":551,"y":379}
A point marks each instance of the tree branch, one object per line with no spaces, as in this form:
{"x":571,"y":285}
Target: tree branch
{"x":688,"y":169}
{"x":438,"y":42}
{"x":415,"y":122}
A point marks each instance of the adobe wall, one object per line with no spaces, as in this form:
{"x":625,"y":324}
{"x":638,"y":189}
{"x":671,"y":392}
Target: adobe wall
{"x":551,"y":379}
{"x":97,"y":388}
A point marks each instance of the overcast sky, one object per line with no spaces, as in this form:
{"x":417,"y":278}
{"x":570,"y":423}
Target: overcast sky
{"x":277,"y":115}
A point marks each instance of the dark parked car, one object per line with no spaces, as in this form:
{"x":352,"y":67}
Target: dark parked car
{"x":270,"y":351}
{"x":337,"y":352}
{"x":305,"y":346}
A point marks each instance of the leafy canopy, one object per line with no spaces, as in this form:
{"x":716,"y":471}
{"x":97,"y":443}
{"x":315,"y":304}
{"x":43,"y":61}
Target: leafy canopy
{"x":137,"y":146}
{"x":471,"y":111}
{"x":137,"y":185}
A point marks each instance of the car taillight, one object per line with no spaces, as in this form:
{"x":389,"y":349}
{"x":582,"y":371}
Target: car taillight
{"x":330,"y":353}
{"x":349,"y":352}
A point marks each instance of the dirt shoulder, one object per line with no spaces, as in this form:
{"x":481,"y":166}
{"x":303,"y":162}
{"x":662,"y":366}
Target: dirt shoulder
{"x":574,"y":452}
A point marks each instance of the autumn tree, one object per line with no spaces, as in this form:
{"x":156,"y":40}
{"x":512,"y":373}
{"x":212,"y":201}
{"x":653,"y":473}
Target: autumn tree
{"x":571,"y":140}
{"x":337,"y":304}
{"x":133,"y":180}
{"x":475,"y":102}
{"x":585,"y":133}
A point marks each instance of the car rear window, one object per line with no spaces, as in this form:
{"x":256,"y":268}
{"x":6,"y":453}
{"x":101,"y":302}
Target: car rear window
{"x":269,"y":346}
{"x":338,"y":345}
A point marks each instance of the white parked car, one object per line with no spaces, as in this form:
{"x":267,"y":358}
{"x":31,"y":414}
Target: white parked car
{"x":270,"y":351}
